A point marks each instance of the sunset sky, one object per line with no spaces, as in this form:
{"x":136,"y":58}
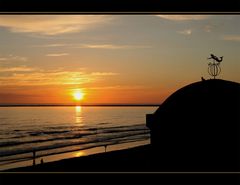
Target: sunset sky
{"x":131,"y":59}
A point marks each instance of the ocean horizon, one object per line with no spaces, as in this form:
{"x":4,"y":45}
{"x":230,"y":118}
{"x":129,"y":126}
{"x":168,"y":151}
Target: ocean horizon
{"x":83,"y":105}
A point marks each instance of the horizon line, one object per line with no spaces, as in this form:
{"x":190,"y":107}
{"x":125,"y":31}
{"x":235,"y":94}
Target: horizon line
{"x":71,"y":105}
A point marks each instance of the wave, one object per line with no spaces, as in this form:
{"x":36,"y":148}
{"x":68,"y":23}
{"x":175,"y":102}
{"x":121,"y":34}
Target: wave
{"x":28,"y":156}
{"x":66,"y":134}
{"x":49,"y":141}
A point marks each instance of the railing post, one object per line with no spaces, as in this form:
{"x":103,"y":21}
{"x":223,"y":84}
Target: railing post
{"x":34,"y":158}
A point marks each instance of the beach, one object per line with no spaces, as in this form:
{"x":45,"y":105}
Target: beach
{"x":127,"y":166}
{"x":126,"y":160}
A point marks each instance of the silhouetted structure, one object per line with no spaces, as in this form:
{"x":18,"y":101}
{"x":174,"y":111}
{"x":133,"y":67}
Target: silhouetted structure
{"x":198,"y":128}
{"x":212,"y":56}
{"x":214,"y":68}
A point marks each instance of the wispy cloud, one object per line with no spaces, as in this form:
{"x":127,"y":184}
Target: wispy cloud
{"x":95,"y":46}
{"x":51,"y":45}
{"x":184,"y":17}
{"x":232,"y":38}
{"x":186,"y":32}
{"x":208,"y":28}
{"x":103,"y":74}
{"x":112,"y":46}
{"x":16,"y":69}
{"x":119,"y":87}
{"x":57,"y":54}
{"x":12,"y":58}
{"x":39,"y":78}
{"x":52,"y":24}
{"x":26,"y":76}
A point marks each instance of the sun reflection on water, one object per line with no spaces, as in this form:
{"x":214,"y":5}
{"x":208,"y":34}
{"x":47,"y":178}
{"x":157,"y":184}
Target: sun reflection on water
{"x":78,"y":111}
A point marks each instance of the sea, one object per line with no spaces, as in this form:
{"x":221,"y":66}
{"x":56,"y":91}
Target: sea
{"x":53,"y":133}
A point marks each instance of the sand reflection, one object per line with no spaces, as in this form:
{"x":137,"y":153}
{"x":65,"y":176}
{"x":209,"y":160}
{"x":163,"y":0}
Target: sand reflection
{"x":79,"y":154}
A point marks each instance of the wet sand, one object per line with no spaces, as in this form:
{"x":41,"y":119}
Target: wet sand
{"x":72,"y":154}
{"x":127,"y":160}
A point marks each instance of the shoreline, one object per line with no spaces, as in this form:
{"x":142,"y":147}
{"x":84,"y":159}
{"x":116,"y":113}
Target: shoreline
{"x":122,"y":160}
{"x":73,"y":154}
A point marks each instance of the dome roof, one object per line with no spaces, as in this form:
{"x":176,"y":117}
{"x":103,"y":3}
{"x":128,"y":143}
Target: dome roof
{"x":209,"y":93}
{"x":200,"y":120}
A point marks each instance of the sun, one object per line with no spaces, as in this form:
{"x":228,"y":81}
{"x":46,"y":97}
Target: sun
{"x":78,"y":95}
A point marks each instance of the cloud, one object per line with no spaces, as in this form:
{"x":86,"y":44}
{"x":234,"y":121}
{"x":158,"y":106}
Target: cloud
{"x":95,"y":46}
{"x":38,"y":78}
{"x":111,"y":46}
{"x":57,"y":54}
{"x":52,"y":24}
{"x":208,"y":28}
{"x":184,"y":17}
{"x":186,"y":32}
{"x":51,"y":45}
{"x":13,"y":58}
{"x":16,"y":69}
{"x":103,"y":74}
{"x":232,"y":38}
{"x":25,"y":76}
{"x":119,"y":87}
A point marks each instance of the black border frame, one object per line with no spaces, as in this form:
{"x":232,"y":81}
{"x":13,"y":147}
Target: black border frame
{"x":119,"y":7}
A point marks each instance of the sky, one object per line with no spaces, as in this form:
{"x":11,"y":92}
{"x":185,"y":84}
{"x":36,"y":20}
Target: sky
{"x":112,"y":59}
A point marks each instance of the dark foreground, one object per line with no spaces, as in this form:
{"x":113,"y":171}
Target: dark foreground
{"x":130,"y":166}
{"x":138,"y":159}
{"x":129,"y":160}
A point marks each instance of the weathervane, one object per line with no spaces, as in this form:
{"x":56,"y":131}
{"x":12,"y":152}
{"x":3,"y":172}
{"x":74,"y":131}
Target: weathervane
{"x":214,"y":68}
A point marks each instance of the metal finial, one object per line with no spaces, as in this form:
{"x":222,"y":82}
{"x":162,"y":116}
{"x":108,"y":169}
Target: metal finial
{"x":214,"y":68}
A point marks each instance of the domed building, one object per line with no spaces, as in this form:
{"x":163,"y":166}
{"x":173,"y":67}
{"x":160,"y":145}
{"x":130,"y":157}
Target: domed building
{"x":197,"y":128}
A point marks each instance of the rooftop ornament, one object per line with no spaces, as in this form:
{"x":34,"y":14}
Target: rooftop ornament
{"x":214,"y":68}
